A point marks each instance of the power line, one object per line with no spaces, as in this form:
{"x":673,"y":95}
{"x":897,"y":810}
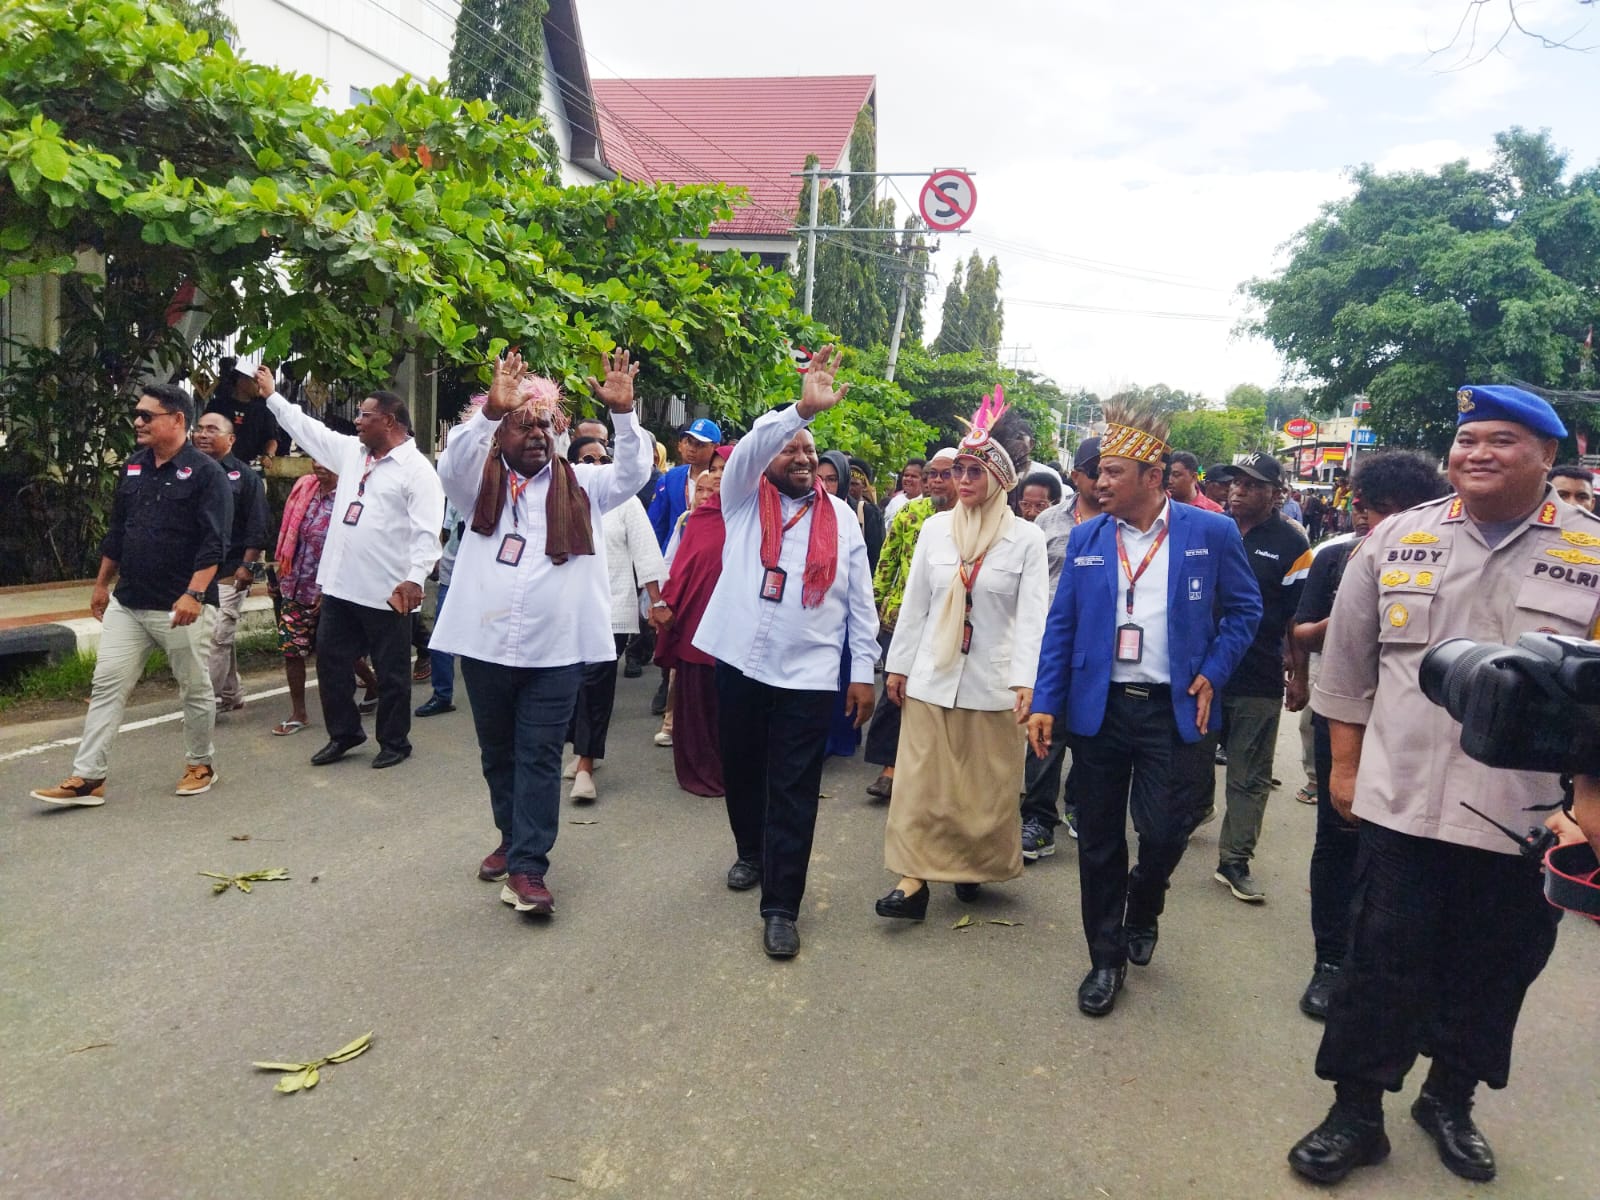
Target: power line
{"x":1105,"y":310}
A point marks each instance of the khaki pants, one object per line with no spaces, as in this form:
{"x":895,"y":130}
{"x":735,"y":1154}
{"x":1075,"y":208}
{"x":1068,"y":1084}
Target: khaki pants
{"x":128,"y":636}
{"x":224,"y":661}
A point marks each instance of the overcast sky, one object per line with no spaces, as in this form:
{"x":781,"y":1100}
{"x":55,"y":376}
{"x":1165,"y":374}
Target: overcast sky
{"x":1176,"y":144}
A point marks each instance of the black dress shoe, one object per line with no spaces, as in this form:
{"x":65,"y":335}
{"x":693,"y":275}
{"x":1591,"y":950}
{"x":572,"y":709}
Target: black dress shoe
{"x":388,"y":757}
{"x":780,"y":939}
{"x":632,"y":670}
{"x":433,"y":706}
{"x":908,"y":908}
{"x":1343,"y":1142}
{"x":1097,"y":994}
{"x":744,"y":875}
{"x":658,"y":702}
{"x":1314,"y":1000}
{"x":881,"y":788}
{"x":1462,"y":1147}
{"x":1141,"y":942}
{"x":336,"y":749}
{"x":967,"y":892}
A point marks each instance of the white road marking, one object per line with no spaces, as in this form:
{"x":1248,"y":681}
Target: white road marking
{"x":43,"y":747}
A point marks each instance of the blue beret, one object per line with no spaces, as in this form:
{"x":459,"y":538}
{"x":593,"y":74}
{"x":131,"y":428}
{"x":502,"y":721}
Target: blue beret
{"x":1502,"y":402}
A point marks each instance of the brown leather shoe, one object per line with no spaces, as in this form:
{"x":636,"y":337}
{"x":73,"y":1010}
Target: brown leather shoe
{"x":75,"y":791}
{"x":527,"y":893}
{"x":197,"y":778}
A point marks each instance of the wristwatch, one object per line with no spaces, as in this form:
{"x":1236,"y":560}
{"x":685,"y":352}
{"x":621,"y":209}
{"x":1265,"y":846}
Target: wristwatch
{"x":199,"y":597}
{"x":658,"y":604}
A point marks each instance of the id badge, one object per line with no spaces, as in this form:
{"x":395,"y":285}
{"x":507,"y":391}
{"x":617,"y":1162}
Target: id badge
{"x":510,"y":552}
{"x":1130,"y":643}
{"x":353,"y":513}
{"x":966,"y":637}
{"x":773,"y":581}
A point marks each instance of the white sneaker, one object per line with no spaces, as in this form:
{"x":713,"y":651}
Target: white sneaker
{"x":663,"y":738}
{"x":570,"y":771}
{"x":583,"y":786}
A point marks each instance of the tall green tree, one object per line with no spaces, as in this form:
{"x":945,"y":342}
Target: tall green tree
{"x":497,"y":55}
{"x":973,"y":315}
{"x":1421,"y":281}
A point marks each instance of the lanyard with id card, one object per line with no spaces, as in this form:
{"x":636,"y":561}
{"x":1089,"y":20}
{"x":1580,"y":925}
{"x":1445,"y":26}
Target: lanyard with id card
{"x":774,"y":578}
{"x":1130,"y":635}
{"x":968,"y":581}
{"x":352,"y":514}
{"x":513,"y":544}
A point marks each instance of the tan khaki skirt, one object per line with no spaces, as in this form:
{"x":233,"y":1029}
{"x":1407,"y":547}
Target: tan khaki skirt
{"x":954,"y":815}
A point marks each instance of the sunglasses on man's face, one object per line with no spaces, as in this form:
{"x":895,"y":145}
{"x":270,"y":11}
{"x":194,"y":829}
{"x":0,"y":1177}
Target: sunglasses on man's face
{"x":143,"y":416}
{"x":594,"y":458}
{"x":944,"y":474}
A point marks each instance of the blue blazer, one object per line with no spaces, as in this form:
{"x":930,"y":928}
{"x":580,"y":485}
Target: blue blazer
{"x":1213,"y":608}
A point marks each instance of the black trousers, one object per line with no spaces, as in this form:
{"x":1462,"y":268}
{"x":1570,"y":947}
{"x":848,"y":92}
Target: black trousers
{"x":1041,"y":783}
{"x":883,"y":731}
{"x":597,"y":695}
{"x":773,"y":741}
{"x":1137,"y":761}
{"x":346,"y":631}
{"x":1444,"y":943}
{"x":1333,"y":859}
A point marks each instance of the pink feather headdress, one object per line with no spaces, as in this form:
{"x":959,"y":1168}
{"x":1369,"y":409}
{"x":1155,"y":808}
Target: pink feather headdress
{"x":980,"y":444}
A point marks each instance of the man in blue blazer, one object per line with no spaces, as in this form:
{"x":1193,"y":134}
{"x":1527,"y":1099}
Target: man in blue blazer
{"x":1156,"y":606}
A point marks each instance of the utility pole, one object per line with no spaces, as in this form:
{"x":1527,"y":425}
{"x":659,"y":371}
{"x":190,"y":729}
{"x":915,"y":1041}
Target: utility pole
{"x":899,"y":320}
{"x":811,"y":237}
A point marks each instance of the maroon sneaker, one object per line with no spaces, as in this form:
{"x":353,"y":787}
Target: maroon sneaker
{"x":527,"y":893}
{"x":493,"y":868}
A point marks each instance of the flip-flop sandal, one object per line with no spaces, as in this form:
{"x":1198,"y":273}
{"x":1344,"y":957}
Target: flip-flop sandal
{"x":1306,"y":796}
{"x":285,"y":728}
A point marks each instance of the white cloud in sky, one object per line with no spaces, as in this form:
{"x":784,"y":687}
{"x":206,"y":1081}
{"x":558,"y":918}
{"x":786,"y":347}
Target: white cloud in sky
{"x":1178,"y":138}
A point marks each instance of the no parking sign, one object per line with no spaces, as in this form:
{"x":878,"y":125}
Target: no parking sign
{"x":947,"y":200}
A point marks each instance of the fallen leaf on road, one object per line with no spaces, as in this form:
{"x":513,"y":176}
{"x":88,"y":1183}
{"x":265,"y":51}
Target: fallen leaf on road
{"x":583,"y":821}
{"x":965,"y":922}
{"x":243,"y":882}
{"x":304,"y":1076}
{"x":997,"y":921}
{"x":90,"y":1046}
{"x":239,"y":837}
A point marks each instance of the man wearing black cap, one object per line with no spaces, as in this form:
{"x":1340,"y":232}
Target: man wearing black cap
{"x":1280,"y":557}
{"x":1449,"y":924}
{"x":1214,"y":485}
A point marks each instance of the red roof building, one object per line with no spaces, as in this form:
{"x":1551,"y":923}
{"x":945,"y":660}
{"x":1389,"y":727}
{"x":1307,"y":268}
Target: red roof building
{"x":754,"y":133}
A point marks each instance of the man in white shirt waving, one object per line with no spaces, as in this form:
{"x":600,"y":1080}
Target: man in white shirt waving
{"x":532,"y":597}
{"x":795,"y":589}
{"x":382,"y":543}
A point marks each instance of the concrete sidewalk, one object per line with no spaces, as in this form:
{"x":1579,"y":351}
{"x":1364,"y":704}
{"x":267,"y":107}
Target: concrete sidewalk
{"x":639,"y":1044}
{"x":54,"y":618}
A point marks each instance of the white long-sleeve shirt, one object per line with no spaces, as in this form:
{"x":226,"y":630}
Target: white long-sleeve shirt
{"x":535,"y":613}
{"x":634,"y":559}
{"x":395,"y":535}
{"x":784,"y":644}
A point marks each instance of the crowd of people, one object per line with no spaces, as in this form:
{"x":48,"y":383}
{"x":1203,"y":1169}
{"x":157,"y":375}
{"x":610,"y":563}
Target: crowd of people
{"x":1128,"y":622}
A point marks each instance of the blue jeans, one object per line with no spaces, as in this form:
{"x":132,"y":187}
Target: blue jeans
{"x":444,"y":665}
{"x":521,"y":716}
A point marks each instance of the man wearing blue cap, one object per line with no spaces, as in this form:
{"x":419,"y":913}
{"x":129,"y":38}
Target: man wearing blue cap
{"x":1449,"y":924}
{"x":697,"y":442}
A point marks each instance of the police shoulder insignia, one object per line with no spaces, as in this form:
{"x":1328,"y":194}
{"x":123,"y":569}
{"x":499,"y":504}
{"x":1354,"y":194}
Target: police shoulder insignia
{"x":1419,"y":538}
{"x":1575,"y":557}
{"x":1398,"y":615}
{"x":1395,"y":578}
{"x":1464,"y":401}
{"x":1424,"y":579}
{"x":1547,"y":514}
{"x":1578,"y":538}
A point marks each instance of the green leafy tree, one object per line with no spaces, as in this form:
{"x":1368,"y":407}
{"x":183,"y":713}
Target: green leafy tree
{"x":974,"y":315}
{"x":206,"y":15}
{"x":498,"y":55}
{"x":1423,"y":280}
{"x":945,"y":387}
{"x":151,"y":173}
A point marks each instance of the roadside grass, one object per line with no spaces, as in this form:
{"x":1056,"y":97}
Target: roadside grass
{"x":72,"y":678}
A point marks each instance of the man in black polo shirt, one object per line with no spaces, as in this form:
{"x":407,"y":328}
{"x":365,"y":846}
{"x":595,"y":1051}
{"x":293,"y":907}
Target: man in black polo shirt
{"x":1280,"y":556}
{"x":238,"y":397}
{"x":247,"y":539}
{"x":169,"y":531}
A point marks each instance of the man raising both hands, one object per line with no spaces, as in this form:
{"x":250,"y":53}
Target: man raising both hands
{"x":795,"y":585}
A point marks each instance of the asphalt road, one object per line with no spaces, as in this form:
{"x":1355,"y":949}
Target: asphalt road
{"x":639,"y":1044}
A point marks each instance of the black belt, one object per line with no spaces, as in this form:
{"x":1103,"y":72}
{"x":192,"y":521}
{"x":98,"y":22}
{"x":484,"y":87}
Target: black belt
{"x":1143,"y":691}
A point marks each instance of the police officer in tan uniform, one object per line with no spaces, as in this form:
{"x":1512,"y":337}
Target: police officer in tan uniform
{"x":1449,"y":921}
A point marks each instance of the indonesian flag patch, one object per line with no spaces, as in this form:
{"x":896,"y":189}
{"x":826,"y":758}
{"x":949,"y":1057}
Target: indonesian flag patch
{"x":185,"y":472}
{"x":135,"y":468}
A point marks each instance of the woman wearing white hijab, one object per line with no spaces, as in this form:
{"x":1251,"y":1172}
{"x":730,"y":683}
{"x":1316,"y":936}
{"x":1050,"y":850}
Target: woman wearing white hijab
{"x":961,"y":666}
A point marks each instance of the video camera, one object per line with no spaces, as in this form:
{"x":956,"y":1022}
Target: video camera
{"x":1534,"y":706}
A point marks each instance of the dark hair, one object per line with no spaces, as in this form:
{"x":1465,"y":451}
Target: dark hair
{"x":1571,"y":471}
{"x":1182,"y":458}
{"x":1048,"y":482}
{"x":1395,"y":480}
{"x":600,"y":421}
{"x":173,"y":399}
{"x":914,"y":462}
{"x":1012,"y":425}
{"x":579,"y":443}
{"x":390,"y":403}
